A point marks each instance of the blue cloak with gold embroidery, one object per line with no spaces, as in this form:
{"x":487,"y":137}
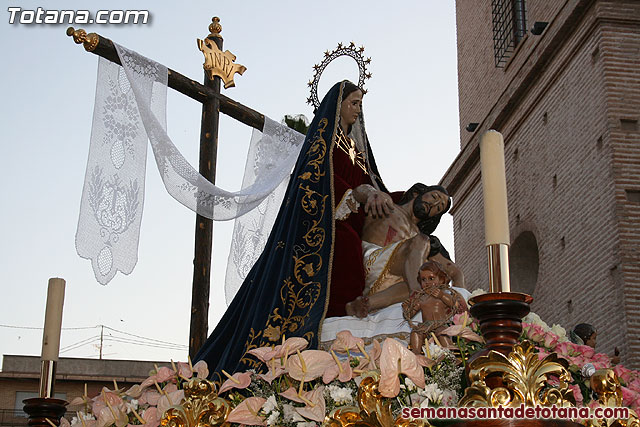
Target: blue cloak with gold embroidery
{"x":286,"y":293}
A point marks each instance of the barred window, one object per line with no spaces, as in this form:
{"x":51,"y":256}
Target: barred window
{"x":509,"y":27}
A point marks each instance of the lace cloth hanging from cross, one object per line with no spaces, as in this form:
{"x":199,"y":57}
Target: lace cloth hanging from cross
{"x":130,"y":108}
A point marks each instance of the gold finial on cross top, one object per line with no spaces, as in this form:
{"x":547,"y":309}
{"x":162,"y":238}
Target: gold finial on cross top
{"x":215,"y":28}
{"x":216,"y":62}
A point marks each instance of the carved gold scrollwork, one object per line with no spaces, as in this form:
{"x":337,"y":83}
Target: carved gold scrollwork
{"x":201,"y":407}
{"x":607,"y":386}
{"x":524,"y":379}
{"x":373,"y":410}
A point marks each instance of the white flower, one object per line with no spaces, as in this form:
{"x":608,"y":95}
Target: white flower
{"x":273,"y":418}
{"x":307,"y":424}
{"x":434,"y":350}
{"x":290,"y":414}
{"x":340,"y":395}
{"x":432,"y":393}
{"x":536,"y":320}
{"x":410,"y":385}
{"x":560,"y":332}
{"x":449,"y":398}
{"x":270,"y":404}
{"x":86,"y":417}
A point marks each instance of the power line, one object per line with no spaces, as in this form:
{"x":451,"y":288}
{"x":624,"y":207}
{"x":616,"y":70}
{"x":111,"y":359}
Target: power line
{"x":144,"y":338}
{"x":76,"y":344}
{"x":141,"y":341}
{"x":125,"y":341}
{"x":34,"y":327}
{"x":94,"y":327}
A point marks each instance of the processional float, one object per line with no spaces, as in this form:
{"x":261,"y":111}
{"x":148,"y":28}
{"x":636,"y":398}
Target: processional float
{"x":506,"y":373}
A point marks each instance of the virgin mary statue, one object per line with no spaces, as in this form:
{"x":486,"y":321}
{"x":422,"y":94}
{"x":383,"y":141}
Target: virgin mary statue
{"x":312,"y":263}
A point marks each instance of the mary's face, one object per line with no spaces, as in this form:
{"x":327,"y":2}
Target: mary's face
{"x":351,"y":108}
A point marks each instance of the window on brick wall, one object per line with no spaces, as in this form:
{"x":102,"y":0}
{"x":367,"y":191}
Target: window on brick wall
{"x":509,"y":27}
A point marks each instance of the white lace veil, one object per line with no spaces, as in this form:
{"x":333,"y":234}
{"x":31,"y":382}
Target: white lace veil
{"x":131,"y":107}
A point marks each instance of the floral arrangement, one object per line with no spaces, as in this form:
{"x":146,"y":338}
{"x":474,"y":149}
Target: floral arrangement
{"x":583,"y":362}
{"x":301,"y":386}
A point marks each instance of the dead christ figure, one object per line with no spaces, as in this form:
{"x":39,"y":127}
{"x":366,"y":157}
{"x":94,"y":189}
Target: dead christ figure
{"x":396,"y":242}
{"x":437,"y":302}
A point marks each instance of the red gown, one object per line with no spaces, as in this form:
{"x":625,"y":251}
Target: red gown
{"x":347,"y":275}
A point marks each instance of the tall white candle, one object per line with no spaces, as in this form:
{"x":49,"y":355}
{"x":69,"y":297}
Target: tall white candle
{"x":494,"y":188}
{"x":53,"y":319}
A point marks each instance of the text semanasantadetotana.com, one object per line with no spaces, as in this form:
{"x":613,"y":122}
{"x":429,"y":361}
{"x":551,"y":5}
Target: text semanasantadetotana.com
{"x":521,"y":412}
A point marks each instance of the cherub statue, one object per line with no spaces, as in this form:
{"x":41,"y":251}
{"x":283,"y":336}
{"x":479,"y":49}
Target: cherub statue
{"x":438,"y":303}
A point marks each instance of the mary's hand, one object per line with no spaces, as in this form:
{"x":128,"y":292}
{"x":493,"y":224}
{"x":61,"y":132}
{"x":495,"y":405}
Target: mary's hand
{"x":379,"y":204}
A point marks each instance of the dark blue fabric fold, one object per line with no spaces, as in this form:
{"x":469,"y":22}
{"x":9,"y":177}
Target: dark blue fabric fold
{"x":286,"y":291}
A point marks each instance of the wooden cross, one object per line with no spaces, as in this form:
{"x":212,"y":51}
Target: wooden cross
{"x":213,"y":103}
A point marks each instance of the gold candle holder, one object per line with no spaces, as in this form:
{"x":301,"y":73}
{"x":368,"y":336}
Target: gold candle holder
{"x":498,"y":254}
{"x":47,"y":378}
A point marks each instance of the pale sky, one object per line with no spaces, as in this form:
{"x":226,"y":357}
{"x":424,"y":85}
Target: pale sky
{"x":48,"y":87}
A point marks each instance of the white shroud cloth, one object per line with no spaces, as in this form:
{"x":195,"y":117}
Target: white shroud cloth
{"x":387,"y":322}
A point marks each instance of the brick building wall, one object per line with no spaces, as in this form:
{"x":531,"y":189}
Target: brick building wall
{"x":567,"y":103}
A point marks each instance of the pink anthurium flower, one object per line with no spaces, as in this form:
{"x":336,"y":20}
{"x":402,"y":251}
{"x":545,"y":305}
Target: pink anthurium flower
{"x":151,"y":417}
{"x":167,"y":400}
{"x":238,"y":380}
{"x":315,"y":405}
{"x":290,"y":346}
{"x":165,"y":374}
{"x":150,"y":396}
{"x":346,"y":342}
{"x":184,"y":370}
{"x":462,"y":330}
{"x":135,"y":391}
{"x":201,"y":369}
{"x":110,"y":415}
{"x":425,"y":362}
{"x":78,"y":402}
{"x":371,"y":358}
{"x":308,"y":365}
{"x":340,"y":369}
{"x":170,"y":388}
{"x":292,"y":394}
{"x":105,"y":399}
{"x":265,"y":354}
{"x":149,"y":381}
{"x":247,"y":412}
{"x":397,"y":359}
{"x":275,"y":370}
